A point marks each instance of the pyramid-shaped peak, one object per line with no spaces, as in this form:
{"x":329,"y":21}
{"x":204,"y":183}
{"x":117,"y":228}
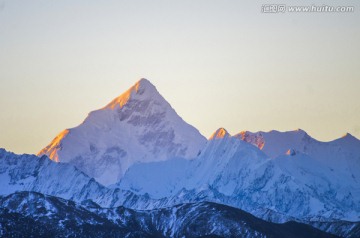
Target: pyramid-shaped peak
{"x":142,"y":88}
{"x":291,"y":152}
{"x":348,"y":135}
{"x":138,"y":126}
{"x":219,"y":134}
{"x":348,"y":138}
{"x":143,"y":83}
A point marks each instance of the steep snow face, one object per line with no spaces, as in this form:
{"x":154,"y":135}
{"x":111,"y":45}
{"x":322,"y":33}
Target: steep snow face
{"x":138,"y":126}
{"x":227,"y":157}
{"x":231,"y":171}
{"x":31,"y":173}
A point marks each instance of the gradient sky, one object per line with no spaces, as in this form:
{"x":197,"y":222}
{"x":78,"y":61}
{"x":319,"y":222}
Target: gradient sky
{"x":219,"y":64}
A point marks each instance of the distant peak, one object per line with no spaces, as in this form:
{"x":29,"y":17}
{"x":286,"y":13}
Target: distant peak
{"x":139,"y":88}
{"x":300,"y":130}
{"x":347,"y":135}
{"x":256,"y":138}
{"x":144,"y":80}
{"x":291,"y":152}
{"x":243,"y":134}
{"x":219,"y":134}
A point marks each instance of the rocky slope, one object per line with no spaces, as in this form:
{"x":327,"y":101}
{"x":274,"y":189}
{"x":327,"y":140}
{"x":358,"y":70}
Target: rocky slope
{"x":39,"y":215}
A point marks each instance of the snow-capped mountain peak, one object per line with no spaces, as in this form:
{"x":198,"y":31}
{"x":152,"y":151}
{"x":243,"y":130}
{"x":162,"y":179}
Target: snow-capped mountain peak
{"x":347,"y":141}
{"x":349,"y":137}
{"x":142,"y":88}
{"x":347,"y":134}
{"x":138,"y":126}
{"x":219,"y":134}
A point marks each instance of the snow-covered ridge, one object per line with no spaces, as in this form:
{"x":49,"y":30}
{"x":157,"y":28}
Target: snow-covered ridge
{"x":137,"y":126}
{"x":341,"y":155}
{"x":39,"y":174}
{"x":314,"y":179}
{"x":275,"y":143}
{"x":238,"y":175}
{"x":60,"y":217}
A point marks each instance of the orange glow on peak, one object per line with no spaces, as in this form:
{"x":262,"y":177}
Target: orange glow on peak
{"x":252,"y":138}
{"x":121,"y":100}
{"x":59,"y":137}
{"x":52,"y":148}
{"x":346,"y":135}
{"x":219,"y":134}
{"x":124,"y":98}
{"x":242,"y":134}
{"x":290,"y":152}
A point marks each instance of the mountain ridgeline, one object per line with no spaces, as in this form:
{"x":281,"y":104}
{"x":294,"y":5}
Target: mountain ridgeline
{"x":134,"y":168}
{"x":37,"y":215}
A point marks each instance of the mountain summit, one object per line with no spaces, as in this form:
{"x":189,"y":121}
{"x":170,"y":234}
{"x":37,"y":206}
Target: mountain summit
{"x":219,"y":134}
{"x":138,"y":126}
{"x":143,"y":87}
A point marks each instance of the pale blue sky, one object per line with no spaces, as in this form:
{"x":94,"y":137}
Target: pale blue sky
{"x":218,"y":63}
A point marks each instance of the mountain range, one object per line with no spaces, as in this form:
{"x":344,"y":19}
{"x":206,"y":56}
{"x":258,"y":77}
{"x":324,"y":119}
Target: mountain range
{"x":137,"y":169}
{"x":34,"y":213}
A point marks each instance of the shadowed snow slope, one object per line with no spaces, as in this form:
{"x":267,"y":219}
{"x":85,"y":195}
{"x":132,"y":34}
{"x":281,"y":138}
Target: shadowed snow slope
{"x":233,"y":172}
{"x":239,"y":175}
{"x":35,"y":214}
{"x":138,"y":126}
{"x":340,"y":157}
{"x":31,"y":173}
